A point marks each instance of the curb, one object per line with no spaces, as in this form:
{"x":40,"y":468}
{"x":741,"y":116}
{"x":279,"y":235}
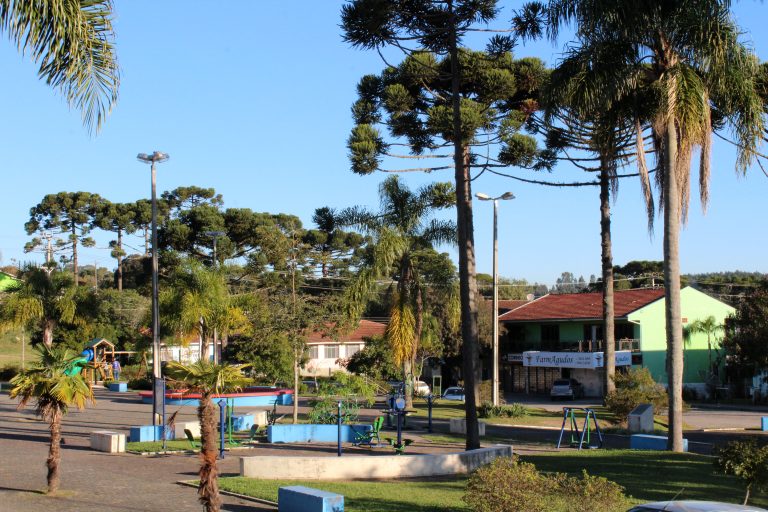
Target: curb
{"x":191,"y":483}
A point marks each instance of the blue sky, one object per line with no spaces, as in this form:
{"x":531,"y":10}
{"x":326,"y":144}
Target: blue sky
{"x":252,"y":98}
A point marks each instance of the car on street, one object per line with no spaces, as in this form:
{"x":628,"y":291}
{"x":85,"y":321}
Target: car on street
{"x":566,"y":388}
{"x":454,"y":393}
{"x":694,"y":506}
{"x":420,"y":388}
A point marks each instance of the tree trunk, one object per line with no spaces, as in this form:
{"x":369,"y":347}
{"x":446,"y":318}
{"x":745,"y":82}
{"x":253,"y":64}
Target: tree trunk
{"x":409,"y":383}
{"x":296,"y":360}
{"x":746,"y":495}
{"x":466,"y":248}
{"x":119,"y":260}
{"x":208,"y":490}
{"x":48,"y":327}
{"x":203,"y":342}
{"x":146,"y":241}
{"x":74,"y":254}
{"x":607,"y":267}
{"x":54,"y":450}
{"x":672,"y":289}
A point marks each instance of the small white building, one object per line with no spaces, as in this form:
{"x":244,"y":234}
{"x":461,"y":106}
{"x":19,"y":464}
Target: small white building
{"x":326,"y":353}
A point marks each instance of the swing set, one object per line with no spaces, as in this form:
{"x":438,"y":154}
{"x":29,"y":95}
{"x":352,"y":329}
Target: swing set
{"x":580,"y":437}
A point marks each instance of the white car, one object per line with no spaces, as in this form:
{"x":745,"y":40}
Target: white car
{"x":454,"y":393}
{"x":421,"y":388}
{"x":694,"y":506}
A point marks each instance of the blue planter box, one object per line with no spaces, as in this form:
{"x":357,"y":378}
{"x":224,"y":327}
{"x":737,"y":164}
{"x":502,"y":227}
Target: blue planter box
{"x":144,"y":433}
{"x":242,"y":422}
{"x":314,"y":433}
{"x":650,"y":442}
{"x":304,"y":499}
{"x":764,"y":423}
{"x":120,"y":387}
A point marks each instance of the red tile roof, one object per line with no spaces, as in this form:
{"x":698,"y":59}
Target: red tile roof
{"x":365,"y":329}
{"x":511,"y":304}
{"x":571,"y":306}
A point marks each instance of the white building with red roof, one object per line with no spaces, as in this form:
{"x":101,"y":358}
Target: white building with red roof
{"x":327,"y":352}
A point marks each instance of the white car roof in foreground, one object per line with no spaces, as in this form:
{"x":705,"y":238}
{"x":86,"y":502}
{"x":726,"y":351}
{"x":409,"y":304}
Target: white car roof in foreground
{"x":699,"y":506}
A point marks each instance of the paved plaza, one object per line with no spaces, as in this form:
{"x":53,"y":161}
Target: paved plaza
{"x":93,"y":480}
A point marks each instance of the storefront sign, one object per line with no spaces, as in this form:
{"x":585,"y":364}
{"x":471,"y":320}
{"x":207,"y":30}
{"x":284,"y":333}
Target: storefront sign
{"x":512,"y":358}
{"x":573,"y":359}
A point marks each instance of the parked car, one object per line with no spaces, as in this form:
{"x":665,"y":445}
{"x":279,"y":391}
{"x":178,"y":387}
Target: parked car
{"x":694,"y":506}
{"x":566,"y":388}
{"x":454,"y":393}
{"x":420,"y":388}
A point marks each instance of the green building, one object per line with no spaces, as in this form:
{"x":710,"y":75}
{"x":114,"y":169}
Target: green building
{"x":560,"y":336}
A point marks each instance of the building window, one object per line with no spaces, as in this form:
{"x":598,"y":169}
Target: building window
{"x":314,"y":352}
{"x":353,"y":349}
{"x":331,"y":351}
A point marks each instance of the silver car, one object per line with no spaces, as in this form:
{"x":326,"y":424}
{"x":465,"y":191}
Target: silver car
{"x":454,"y":393}
{"x":694,"y":506}
{"x":566,"y":388}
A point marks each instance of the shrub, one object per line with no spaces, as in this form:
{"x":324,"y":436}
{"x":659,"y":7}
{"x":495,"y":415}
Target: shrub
{"x":140,"y":383}
{"x":485,"y":389}
{"x":508,"y":485}
{"x":747,"y":461}
{"x":633,"y":388}
{"x":488,"y":410}
{"x":9,"y":371}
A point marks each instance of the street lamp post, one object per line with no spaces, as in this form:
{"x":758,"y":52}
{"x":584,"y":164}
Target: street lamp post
{"x":154,"y":158}
{"x":485,"y":197}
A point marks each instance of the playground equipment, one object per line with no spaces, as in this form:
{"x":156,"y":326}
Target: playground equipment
{"x":95,"y":361}
{"x":578,"y":438}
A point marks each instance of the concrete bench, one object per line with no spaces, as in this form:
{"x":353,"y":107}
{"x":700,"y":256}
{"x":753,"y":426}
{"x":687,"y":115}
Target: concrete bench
{"x":259,"y":417}
{"x":144,"y":433}
{"x":650,"y":442}
{"x":107,"y":441}
{"x":120,"y":387}
{"x":297,"y":498}
{"x":459,"y":426}
{"x":180,"y":426}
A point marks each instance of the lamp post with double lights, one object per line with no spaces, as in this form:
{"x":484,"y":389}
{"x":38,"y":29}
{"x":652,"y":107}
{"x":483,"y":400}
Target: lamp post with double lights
{"x":485,"y":197}
{"x":153,"y":159}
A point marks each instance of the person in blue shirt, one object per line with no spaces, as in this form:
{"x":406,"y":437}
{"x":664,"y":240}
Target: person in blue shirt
{"x":116,"y":369}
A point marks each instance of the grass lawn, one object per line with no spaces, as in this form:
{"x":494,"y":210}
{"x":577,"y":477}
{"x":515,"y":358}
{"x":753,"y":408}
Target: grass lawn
{"x":646,"y":475}
{"x":389,"y":495}
{"x":10,"y":348}
{"x":172,"y":445}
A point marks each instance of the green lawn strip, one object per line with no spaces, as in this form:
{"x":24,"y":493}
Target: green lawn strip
{"x":172,"y":445}
{"x":10,"y":348}
{"x":394,"y":496}
{"x":651,"y":475}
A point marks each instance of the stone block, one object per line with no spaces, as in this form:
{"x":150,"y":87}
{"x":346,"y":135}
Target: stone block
{"x":649,"y":442}
{"x":259,"y":416}
{"x":298,"y":498}
{"x":459,"y":426}
{"x":192,"y":426}
{"x":107,"y":441}
{"x":120,"y":387}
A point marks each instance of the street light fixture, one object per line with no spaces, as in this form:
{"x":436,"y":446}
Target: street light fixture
{"x":154,"y":158}
{"x":485,"y":197}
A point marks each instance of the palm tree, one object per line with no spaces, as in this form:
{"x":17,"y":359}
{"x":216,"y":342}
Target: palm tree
{"x":208,"y":379}
{"x":688,"y":59}
{"x":399,"y":230}
{"x":42,"y":301}
{"x":72,"y":41}
{"x":197,"y":301}
{"x":54,"y":390}
{"x":711,"y":328}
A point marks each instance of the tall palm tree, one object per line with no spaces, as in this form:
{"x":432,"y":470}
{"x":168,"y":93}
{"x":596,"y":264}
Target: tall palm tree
{"x":197,"y":301}
{"x":711,"y":328}
{"x":49,"y":384}
{"x":687,"y":56}
{"x":72,"y":42}
{"x":42,"y":302}
{"x":399,"y":230}
{"x":208,"y":379}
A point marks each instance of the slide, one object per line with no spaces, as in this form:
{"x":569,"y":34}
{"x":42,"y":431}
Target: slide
{"x":77,"y":365}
